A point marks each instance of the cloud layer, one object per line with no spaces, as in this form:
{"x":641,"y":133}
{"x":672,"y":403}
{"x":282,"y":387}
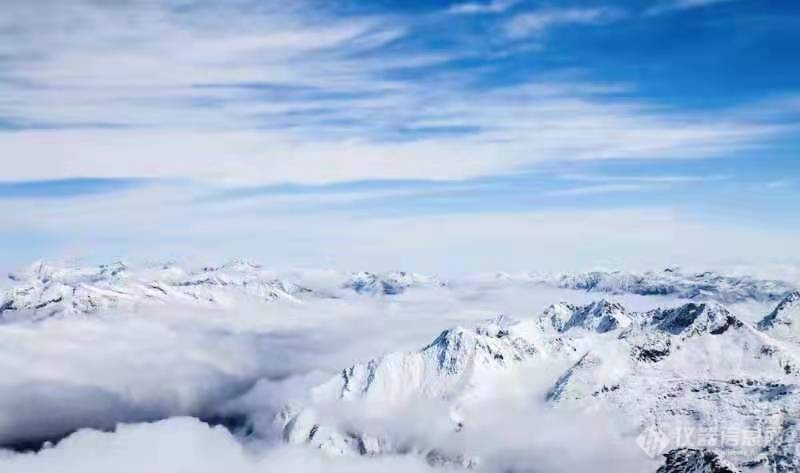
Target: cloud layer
{"x":251,"y":359}
{"x":289,"y":92}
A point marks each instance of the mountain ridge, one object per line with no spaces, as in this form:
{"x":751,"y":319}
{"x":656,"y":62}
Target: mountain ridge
{"x":45,"y":290}
{"x":758,"y":391}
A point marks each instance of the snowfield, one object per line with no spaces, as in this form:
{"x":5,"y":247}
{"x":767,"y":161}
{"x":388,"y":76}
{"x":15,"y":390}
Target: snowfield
{"x":236,"y":367}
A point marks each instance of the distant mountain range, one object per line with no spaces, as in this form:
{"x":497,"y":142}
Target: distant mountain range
{"x":44,"y":290}
{"x":669,"y":282}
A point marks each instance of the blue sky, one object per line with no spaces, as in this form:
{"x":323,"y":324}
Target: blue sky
{"x":175,"y":128}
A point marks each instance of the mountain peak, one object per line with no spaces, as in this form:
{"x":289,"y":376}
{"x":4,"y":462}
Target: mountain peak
{"x":689,"y":460}
{"x":693,"y":319}
{"x":600,"y":316}
{"x":391,"y":283}
{"x":785,"y":317}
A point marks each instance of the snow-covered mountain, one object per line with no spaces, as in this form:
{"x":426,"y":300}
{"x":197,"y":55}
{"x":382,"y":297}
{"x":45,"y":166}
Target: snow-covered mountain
{"x":686,"y":460}
{"x":784,"y":321}
{"x":391,"y":283}
{"x":43,"y":290}
{"x":687,"y":365}
{"x":695,"y":366}
{"x":602,"y":316}
{"x":451,"y":368}
{"x":669,"y":282}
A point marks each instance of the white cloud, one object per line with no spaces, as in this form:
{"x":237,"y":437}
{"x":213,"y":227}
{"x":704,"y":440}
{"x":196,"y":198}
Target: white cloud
{"x":286,"y":93}
{"x":780,"y":184}
{"x":537,"y":22}
{"x":493,"y":6}
{"x":175,"y":354}
{"x":74,"y":376}
{"x":599,"y":189}
{"x":168,"y":223}
{"x":604,"y":184}
{"x":643,"y":179}
{"x":185,"y":444}
{"x":153,"y":362}
{"x":543,"y":129}
{"x":73,"y":372}
{"x":679,"y":5}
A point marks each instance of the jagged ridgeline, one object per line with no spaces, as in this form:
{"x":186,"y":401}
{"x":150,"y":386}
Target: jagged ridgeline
{"x":44,"y":290}
{"x":658,"y":367}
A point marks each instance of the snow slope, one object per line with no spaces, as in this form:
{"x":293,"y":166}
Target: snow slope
{"x":784,"y":321}
{"x":693,"y":366}
{"x":44,"y":290}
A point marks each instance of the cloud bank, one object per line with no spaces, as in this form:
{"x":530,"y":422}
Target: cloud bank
{"x":250,"y":360}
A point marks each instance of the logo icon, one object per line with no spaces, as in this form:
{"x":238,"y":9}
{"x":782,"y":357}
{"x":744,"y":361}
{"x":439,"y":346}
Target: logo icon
{"x":652,"y":441}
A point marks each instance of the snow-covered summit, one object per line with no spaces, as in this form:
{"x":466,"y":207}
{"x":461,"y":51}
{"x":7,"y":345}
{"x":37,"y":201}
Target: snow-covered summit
{"x":45,"y":273}
{"x":671,"y":282}
{"x":695,"y":365}
{"x":784,"y":320}
{"x":391,"y":283}
{"x":450,"y":369}
{"x":690,"y":460}
{"x":692,"y":319}
{"x":249,"y":277}
{"x":44,"y":290}
{"x":601,"y":317}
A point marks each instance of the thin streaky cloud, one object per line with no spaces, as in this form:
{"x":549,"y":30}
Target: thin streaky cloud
{"x":598,"y":189}
{"x":681,"y":5}
{"x":780,"y":184}
{"x":537,"y":22}
{"x":666,"y":179}
{"x":298,"y":99}
{"x":471,"y":8}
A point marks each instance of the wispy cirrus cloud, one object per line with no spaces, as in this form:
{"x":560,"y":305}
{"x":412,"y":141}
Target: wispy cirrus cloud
{"x":493,"y":6}
{"x":290,"y":93}
{"x":66,"y":188}
{"x":781,"y":184}
{"x":645,"y":179}
{"x":598,"y":189}
{"x":680,"y":5}
{"x":537,"y":22}
{"x":593,"y":184}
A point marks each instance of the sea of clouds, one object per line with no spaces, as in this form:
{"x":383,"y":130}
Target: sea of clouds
{"x":146,"y":389}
